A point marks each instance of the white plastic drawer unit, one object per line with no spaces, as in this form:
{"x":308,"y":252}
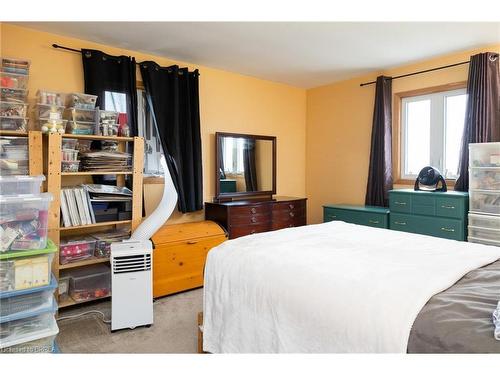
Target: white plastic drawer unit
{"x":484,"y":201}
{"x":484,"y":229}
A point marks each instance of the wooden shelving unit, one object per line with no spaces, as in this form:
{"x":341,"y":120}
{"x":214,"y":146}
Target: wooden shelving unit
{"x":34,"y":148}
{"x":56,"y":179}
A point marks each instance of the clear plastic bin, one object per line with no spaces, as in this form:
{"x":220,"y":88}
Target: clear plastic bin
{"x":81,"y":127}
{"x":90,"y":283}
{"x":17,"y":66}
{"x":14,"y":123}
{"x":13,"y":80}
{"x":484,"y":233}
{"x":484,"y":221}
{"x":84,"y":145}
{"x":109,"y":130}
{"x":13,"y":109}
{"x":105,"y":239}
{"x":68,"y":154}
{"x":76,"y":249}
{"x":52,"y":126}
{"x":35,"y":344}
{"x":28,"y":300}
{"x":22,"y":327}
{"x":47,"y":97}
{"x":49,"y":111}
{"x":484,"y":154}
{"x":10,"y":185}
{"x":487,"y":178}
{"x":13,"y":95}
{"x":83,"y":115}
{"x":26,"y":269}
{"x":108,"y":117}
{"x":63,"y":290}
{"x":82,"y":101}
{"x":484,"y":201}
{"x":24,"y":221}
{"x":13,"y":156}
{"x":483,"y":241}
{"x":69,"y":144}
{"x":70,"y":166}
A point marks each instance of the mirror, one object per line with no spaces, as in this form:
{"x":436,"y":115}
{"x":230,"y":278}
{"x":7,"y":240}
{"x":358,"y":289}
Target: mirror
{"x":245,"y":165}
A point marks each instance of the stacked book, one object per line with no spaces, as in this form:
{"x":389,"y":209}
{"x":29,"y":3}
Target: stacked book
{"x":106,"y":161}
{"x":90,"y":204}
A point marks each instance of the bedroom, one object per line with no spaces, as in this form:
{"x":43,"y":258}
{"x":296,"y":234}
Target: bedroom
{"x":272,"y":148}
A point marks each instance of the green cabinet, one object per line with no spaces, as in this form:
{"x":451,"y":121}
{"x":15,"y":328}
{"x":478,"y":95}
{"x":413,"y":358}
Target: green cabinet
{"x":377,"y":217}
{"x":431,"y":213}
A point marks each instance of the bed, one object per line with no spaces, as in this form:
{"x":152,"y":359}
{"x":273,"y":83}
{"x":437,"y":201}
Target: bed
{"x":344,"y":288}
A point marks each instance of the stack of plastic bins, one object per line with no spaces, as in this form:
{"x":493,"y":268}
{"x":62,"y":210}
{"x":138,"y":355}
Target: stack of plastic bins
{"x":14,"y":159}
{"x":27,"y":304}
{"x":484,"y":193}
{"x":49,"y":110}
{"x":81,"y":114}
{"x":14,"y":76}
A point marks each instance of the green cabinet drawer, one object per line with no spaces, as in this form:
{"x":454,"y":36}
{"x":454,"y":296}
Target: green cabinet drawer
{"x":399,"y":202}
{"x":451,"y":207}
{"x":402,"y":222}
{"x":423,"y":205}
{"x":452,"y":229}
{"x":369,"y":216}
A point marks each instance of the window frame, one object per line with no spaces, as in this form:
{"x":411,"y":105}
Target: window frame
{"x":398,"y":132}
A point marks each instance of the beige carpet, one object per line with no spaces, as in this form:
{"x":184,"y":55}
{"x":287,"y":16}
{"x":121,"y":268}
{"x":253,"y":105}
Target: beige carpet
{"x":174,"y":329}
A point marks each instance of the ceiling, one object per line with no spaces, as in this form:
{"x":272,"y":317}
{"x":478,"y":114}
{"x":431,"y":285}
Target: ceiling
{"x":302,"y":54}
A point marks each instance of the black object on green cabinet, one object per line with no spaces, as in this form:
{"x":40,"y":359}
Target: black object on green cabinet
{"x":363,"y":215}
{"x":439,"y":214}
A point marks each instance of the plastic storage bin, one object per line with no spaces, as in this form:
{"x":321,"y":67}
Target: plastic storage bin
{"x":10,"y":185}
{"x":485,"y":234}
{"x":90,"y":283}
{"x":17,"y":66}
{"x":24,"y":221}
{"x":8,"y":109}
{"x":105,"y":239}
{"x":13,"y":156}
{"x":26,"y":269}
{"x":49,"y":111}
{"x":79,"y":114}
{"x":76,"y":249}
{"x":39,"y":342}
{"x":24,"y":326}
{"x":84,"y":145}
{"x":13,"y":95}
{"x":69,"y":144}
{"x":70,"y":166}
{"x":46,"y":97}
{"x":28,"y":300}
{"x":81,"y":127}
{"x":68,"y":154}
{"x":485,"y":178}
{"x":484,"y":154}
{"x":483,"y":241}
{"x":63,"y":290}
{"x":484,"y":201}
{"x":82,"y":101}
{"x":110,"y":130}
{"x":13,"y":80}
{"x":14,"y":123}
{"x":52,"y":126}
{"x":484,"y":221}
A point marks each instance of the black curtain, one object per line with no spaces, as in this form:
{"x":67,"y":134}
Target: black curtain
{"x":380,"y":170}
{"x":249,"y":166}
{"x":174,"y":99}
{"x":482,"y":114}
{"x":103,"y":72}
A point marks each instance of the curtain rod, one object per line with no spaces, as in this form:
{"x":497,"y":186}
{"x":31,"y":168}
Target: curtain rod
{"x":419,"y":72}
{"x":80,"y":51}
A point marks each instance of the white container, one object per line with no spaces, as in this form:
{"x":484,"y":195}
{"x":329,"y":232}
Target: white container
{"x":25,"y":327}
{"x":486,"y":234}
{"x":484,"y":221}
{"x":484,"y":154}
{"x":484,"y":178}
{"x":24,"y":221}
{"x":484,"y":201}
{"x":14,"y":123}
{"x":13,"y":80}
{"x":10,"y":185}
{"x":30,"y":301}
{"x":8,"y":109}
{"x":82,"y":101}
{"x":483,"y":241}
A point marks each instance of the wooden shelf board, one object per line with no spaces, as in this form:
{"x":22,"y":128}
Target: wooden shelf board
{"x":71,"y":302}
{"x":99,"y":137}
{"x":93,"y":173}
{"x":14,"y":133}
{"x":83,"y":263}
{"x":106,"y":223}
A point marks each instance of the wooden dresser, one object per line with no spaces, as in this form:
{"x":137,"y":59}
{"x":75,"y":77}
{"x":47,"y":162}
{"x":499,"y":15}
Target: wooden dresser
{"x":244,"y":217}
{"x":180,"y":253}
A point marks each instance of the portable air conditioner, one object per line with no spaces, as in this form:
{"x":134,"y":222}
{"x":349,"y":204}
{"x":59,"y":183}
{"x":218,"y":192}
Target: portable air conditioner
{"x":132,"y":284}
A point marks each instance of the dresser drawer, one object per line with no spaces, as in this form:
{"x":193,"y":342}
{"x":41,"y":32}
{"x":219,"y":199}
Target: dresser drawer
{"x":330,"y":214}
{"x":249,"y":210}
{"x":289,"y":223}
{"x":288,"y":214}
{"x":484,"y":221}
{"x":289,"y":206}
{"x":423,"y":205}
{"x":400,"y":203}
{"x":244,"y":230}
{"x":485,"y":234}
{"x":450,"y":207}
{"x":432,"y":226}
{"x":370,"y":219}
{"x":401,"y":222}
{"x":250,"y":219}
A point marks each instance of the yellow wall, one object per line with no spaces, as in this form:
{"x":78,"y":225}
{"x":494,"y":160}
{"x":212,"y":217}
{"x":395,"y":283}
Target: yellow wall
{"x":339,"y":120}
{"x":229,"y":103}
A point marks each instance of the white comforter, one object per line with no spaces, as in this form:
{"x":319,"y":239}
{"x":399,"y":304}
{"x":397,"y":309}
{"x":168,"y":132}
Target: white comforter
{"x":332,"y":287}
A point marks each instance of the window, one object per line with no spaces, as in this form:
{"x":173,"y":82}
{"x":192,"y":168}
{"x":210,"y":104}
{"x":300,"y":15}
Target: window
{"x":232,"y":149}
{"x":115,"y":101}
{"x":431,"y":132}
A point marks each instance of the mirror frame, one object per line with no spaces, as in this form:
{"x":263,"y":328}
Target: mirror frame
{"x":242,"y":194}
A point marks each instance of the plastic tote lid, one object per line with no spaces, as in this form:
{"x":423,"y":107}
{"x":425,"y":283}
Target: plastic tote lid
{"x":22,"y":178}
{"x":51,"y":248}
{"x":15,"y":293}
{"x":20,"y":198}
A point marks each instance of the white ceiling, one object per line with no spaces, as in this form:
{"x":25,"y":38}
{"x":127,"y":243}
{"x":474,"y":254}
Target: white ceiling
{"x":303,"y":54}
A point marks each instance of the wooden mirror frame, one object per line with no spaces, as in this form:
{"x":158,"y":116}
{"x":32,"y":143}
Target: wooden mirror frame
{"x":242,"y":194}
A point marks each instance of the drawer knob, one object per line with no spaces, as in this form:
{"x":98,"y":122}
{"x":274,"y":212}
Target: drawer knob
{"x":446,"y":206}
{"x":374,"y":221}
{"x":291,"y":206}
{"x":253,"y":210}
{"x":400,"y":203}
{"x":400,"y":222}
{"x":290,"y":226}
{"x":333,"y":216}
{"x":252,"y":231}
{"x":292,"y":214}
{"x":447,"y":229}
{"x":253,"y":219}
